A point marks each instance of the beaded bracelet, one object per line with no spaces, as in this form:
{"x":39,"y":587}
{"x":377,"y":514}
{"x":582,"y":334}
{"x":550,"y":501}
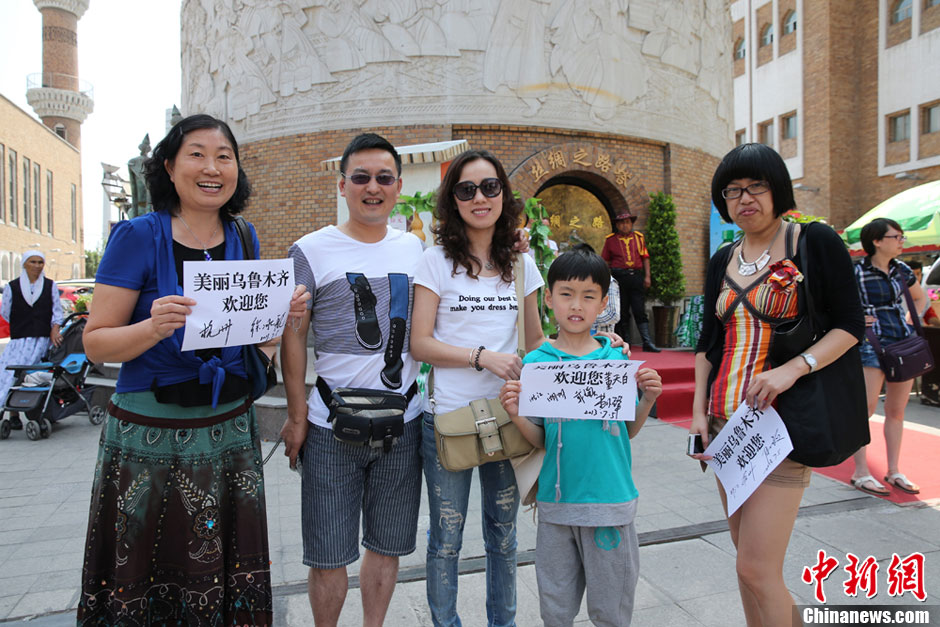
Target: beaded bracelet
{"x":476,"y":360}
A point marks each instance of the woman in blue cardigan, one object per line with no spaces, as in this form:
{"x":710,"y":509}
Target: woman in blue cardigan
{"x":177,"y":529}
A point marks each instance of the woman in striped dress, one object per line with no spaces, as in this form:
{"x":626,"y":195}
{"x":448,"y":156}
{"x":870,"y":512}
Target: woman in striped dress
{"x":744,"y":301}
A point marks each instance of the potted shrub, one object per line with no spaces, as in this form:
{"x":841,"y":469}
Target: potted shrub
{"x":667,"y":282}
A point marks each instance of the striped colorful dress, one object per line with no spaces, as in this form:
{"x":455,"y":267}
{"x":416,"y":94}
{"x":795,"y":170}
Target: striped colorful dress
{"x":749,"y":316}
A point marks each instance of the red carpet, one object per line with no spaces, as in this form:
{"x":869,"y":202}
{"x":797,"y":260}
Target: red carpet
{"x":677,"y":368}
{"x":920,"y":449}
{"x":919,"y":454}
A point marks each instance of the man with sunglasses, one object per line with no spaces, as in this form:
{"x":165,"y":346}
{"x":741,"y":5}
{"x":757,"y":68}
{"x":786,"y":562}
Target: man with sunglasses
{"x":625,"y":252}
{"x":360,"y":274}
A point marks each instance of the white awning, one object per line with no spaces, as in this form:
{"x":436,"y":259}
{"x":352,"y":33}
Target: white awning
{"x":435,"y":152}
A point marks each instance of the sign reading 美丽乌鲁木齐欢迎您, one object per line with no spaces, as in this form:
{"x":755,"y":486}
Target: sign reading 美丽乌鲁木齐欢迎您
{"x":237,"y":302}
{"x":746,"y":450}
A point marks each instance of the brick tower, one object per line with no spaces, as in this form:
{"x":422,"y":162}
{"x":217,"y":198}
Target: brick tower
{"x":58,"y":97}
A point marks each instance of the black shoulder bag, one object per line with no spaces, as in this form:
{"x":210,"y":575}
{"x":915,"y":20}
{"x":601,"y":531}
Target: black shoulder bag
{"x":825,"y":412}
{"x":907,"y":358}
{"x":260,"y":369}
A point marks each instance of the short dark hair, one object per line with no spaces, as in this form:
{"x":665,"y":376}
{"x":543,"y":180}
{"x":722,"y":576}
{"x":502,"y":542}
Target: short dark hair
{"x":580,"y":263}
{"x":913,"y":264}
{"x":759,"y":162}
{"x":162,"y":190}
{"x":876,"y":230}
{"x":369,"y":141}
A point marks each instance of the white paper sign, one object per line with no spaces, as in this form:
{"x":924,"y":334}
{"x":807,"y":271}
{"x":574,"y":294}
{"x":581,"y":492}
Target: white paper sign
{"x":237,"y":302}
{"x":597,"y":389}
{"x":747,"y":449}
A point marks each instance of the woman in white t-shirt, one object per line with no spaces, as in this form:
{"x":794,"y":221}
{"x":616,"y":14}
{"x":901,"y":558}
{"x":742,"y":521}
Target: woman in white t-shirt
{"x":464,"y":324}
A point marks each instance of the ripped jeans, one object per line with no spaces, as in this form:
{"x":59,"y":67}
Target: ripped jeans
{"x":448,"y":495}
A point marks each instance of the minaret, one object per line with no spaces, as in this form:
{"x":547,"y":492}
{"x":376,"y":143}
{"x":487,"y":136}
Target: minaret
{"x":58,"y":97}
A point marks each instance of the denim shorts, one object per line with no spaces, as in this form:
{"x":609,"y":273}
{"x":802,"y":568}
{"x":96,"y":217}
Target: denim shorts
{"x":869,"y":358}
{"x":340,"y":481}
{"x":788,"y":474}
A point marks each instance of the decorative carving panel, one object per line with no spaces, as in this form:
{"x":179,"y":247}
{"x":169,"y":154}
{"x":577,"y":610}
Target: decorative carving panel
{"x":648,"y":68}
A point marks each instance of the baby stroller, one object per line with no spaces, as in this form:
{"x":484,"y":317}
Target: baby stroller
{"x":52,"y":389}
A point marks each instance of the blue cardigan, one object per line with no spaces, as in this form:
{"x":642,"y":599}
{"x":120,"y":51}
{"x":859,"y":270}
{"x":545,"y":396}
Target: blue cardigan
{"x":139,"y":256}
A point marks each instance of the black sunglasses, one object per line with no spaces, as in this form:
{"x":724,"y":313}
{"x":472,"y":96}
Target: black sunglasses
{"x":466,"y":190}
{"x":361,"y":178}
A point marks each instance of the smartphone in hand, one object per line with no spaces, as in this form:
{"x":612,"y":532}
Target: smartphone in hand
{"x":695,"y":444}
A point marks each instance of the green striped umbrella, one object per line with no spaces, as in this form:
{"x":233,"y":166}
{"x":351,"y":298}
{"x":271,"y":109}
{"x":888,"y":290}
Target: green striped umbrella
{"x":917,"y":210}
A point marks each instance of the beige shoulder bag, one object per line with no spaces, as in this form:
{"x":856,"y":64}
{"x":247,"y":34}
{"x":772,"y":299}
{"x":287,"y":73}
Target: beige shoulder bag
{"x":482,"y":431}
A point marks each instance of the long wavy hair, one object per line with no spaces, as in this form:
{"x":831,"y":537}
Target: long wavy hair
{"x":451,"y":232}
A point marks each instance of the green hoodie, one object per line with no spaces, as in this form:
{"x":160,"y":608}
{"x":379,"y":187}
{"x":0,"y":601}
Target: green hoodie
{"x":587,"y":482}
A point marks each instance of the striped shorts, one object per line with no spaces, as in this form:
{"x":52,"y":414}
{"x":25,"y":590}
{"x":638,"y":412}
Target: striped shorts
{"x":340,"y":481}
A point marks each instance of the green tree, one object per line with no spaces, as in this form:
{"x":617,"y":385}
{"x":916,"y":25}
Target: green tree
{"x":662,"y":241}
{"x":92,"y":259}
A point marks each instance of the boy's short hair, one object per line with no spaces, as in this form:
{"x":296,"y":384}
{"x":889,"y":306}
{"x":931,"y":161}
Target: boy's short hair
{"x":580,"y":263}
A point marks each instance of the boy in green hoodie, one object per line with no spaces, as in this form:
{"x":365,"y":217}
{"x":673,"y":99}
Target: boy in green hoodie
{"x":586,"y":496}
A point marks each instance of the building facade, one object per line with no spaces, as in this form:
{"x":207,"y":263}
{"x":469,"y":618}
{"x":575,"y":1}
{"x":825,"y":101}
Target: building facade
{"x":590,"y":105}
{"x":848,"y":92}
{"x":40,"y":196}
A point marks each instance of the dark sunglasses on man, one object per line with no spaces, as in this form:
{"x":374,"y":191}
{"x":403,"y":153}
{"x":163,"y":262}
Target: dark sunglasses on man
{"x":362,"y":178}
{"x":466,"y":190}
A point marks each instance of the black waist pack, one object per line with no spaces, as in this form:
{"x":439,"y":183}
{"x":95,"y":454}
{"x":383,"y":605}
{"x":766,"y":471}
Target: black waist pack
{"x":364,"y":417}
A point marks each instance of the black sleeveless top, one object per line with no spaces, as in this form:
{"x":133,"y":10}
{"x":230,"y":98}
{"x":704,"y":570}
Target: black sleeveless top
{"x":35,"y":320}
{"x":192,"y":393}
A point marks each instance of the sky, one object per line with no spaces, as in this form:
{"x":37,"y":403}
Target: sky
{"x":129,"y":50}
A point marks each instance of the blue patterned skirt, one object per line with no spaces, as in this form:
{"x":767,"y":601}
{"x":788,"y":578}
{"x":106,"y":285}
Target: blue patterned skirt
{"x":177,"y":533}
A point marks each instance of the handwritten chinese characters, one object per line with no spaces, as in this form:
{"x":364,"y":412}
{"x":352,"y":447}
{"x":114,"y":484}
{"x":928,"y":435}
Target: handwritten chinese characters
{"x":237,"y":302}
{"x":747,"y":449}
{"x":589,"y":390}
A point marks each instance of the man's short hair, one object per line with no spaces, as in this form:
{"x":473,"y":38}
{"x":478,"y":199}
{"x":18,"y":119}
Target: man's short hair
{"x":580,"y":263}
{"x":369,"y":141}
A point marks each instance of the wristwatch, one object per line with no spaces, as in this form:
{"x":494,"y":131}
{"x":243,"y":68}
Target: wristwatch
{"x":810,"y":361}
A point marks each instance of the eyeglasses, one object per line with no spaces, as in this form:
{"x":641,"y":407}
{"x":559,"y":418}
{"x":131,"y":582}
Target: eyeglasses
{"x":753,"y":189}
{"x":361,"y":178}
{"x":466,"y":190}
{"x":901,"y":238}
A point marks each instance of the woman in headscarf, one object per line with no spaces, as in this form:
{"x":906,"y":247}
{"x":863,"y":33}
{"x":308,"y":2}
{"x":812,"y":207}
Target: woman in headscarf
{"x":31,"y":306}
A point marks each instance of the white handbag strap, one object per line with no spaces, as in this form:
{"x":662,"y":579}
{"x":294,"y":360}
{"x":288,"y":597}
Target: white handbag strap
{"x":519,"y":277}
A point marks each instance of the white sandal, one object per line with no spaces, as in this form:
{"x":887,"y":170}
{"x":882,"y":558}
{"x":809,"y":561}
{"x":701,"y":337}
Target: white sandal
{"x":902,"y":483}
{"x":878,"y":490}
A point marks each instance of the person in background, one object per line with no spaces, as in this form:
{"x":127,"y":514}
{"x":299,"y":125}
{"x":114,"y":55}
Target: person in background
{"x":177,"y":530}
{"x":625,"y":252}
{"x":881,"y":278}
{"x":31,"y":305}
